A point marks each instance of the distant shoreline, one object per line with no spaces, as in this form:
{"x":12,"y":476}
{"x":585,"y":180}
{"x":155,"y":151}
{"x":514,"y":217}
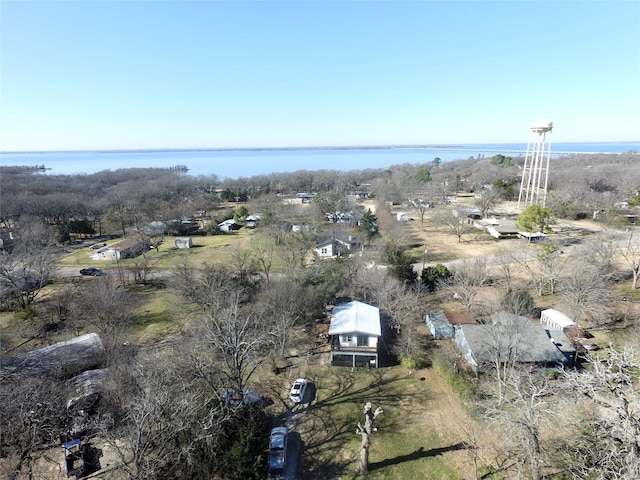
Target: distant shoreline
{"x":282,"y":149}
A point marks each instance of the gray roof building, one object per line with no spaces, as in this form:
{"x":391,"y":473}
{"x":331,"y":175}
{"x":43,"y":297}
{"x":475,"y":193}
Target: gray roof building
{"x":509,"y":338}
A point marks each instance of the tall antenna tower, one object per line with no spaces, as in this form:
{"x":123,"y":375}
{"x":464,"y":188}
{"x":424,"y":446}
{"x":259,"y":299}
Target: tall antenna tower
{"x":535,"y":174}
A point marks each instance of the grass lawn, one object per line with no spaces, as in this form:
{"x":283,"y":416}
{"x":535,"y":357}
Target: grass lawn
{"x":209,"y":249}
{"x":414,"y":440}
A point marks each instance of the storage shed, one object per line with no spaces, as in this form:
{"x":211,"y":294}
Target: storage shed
{"x":442,"y":324}
{"x":438,"y":324}
{"x":555,"y":320}
{"x":183,"y":242}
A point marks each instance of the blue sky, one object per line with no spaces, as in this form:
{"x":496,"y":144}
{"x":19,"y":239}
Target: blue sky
{"x":159,"y":74}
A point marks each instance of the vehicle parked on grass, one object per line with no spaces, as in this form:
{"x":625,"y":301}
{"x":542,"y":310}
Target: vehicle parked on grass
{"x":94,"y":272}
{"x":96,"y":246}
{"x":234,"y":398}
{"x":278,"y":450}
{"x":298,"y":390}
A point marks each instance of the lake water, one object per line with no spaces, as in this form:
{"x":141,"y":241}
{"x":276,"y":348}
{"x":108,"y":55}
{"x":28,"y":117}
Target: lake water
{"x":247,"y":163}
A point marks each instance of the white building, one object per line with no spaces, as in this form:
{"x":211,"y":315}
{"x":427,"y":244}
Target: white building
{"x":555,"y":320}
{"x":355,"y":330}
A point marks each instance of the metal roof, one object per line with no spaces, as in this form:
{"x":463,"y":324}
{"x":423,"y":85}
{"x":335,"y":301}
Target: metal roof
{"x":508,"y":332}
{"x":557,"y":317}
{"x":355,"y":317}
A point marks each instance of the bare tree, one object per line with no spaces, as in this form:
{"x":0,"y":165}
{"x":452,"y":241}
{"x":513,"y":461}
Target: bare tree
{"x":106,"y":305}
{"x":211,"y":288}
{"x":365,"y":432}
{"x":141,"y":269}
{"x":231,"y":344}
{"x":486,"y":200}
{"x":606,"y":402}
{"x":295,"y":251}
{"x":331,"y":204}
{"x":585,"y":290}
{"x":264,"y":250}
{"x":544,"y":264}
{"x":285,"y":303}
{"x":241,"y":257}
{"x":466,"y":280}
{"x":402,"y":305}
{"x":164,"y":421}
{"x":521,"y":415}
{"x":504,"y":263}
{"x":421,"y":207}
{"x":502,"y":344}
{"x":455,"y":220}
{"x":631,"y":254}
{"x":33,"y":413}
{"x":29,"y":267}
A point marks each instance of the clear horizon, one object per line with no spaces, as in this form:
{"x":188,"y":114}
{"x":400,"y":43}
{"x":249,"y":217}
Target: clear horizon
{"x":265,"y":74}
{"x":304,"y":147}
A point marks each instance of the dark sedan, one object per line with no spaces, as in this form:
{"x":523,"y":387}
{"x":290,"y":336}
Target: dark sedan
{"x":94,"y":272}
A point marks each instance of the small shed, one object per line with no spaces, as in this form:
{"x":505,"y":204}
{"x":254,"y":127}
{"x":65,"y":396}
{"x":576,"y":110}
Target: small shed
{"x":555,"y":320}
{"x":442,"y":324}
{"x":438,"y":324}
{"x":184,"y":242}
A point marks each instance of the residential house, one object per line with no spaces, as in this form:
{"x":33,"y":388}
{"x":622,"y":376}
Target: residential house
{"x":128,"y":248}
{"x":229,"y":225}
{"x":351,"y":218}
{"x":331,"y":246}
{"x":354,"y":331}
{"x":501,"y":229}
{"x":506,"y":336}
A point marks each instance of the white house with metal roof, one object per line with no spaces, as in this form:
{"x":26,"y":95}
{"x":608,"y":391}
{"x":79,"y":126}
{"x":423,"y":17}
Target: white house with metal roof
{"x":355,"y":330}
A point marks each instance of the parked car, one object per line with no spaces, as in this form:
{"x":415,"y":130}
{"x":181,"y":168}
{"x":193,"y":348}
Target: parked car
{"x":94,"y":272}
{"x":278,"y":450}
{"x":297,"y":390}
{"x":234,"y":398}
{"x":96,"y":246}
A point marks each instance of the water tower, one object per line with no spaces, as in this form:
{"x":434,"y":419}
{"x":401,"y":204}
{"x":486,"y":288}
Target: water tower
{"x":535,"y":173}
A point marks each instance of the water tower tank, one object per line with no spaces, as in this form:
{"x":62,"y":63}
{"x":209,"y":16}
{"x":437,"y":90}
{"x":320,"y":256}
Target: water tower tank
{"x":541,"y":126}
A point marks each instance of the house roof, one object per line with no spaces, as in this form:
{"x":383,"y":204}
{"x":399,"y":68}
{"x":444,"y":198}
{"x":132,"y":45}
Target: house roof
{"x":125,"y":244}
{"x":325,"y":240}
{"x":508,"y":331}
{"x":355,"y":317}
{"x":461,"y":317}
{"x":348,"y":241}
